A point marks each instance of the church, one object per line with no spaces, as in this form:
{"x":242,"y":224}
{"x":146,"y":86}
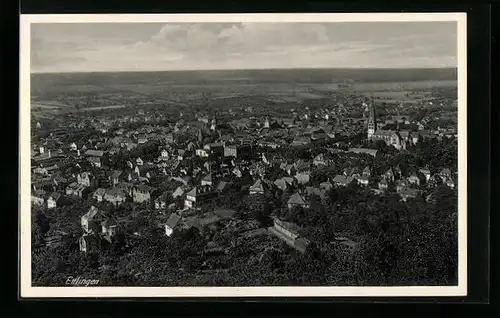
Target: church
{"x":399,"y":139}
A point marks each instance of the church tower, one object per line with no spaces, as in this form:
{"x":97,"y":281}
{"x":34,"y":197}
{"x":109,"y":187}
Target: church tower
{"x":266,"y":122}
{"x":372,"y":120}
{"x":213,"y":124}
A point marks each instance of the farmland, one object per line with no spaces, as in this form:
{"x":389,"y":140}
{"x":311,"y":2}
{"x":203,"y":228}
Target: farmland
{"x":283,"y":88}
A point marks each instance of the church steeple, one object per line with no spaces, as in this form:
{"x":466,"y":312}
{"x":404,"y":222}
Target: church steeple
{"x":372,"y":119}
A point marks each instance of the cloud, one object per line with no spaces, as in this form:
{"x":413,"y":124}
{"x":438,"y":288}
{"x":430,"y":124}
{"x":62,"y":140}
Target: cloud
{"x":242,"y":45}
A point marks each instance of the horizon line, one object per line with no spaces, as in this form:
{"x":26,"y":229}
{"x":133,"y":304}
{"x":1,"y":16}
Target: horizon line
{"x":250,"y":69}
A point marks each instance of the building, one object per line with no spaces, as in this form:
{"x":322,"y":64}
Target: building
{"x":341,"y":180}
{"x":37,"y":197}
{"x":289,"y":233}
{"x":109,"y":228}
{"x":141,"y":193}
{"x":171,"y":224}
{"x":161,"y":202}
{"x":258,"y":187}
{"x":297,"y":200}
{"x":91,"y":220}
{"x":198,"y":196}
{"x":88,"y":243}
{"x":207,"y":180}
{"x":99,"y":194}
{"x":86,"y":179}
{"x":95,"y":161}
{"x":53,"y":200}
{"x":94,"y":153}
{"x":75,"y":189}
{"x":372,"y":120}
{"x":115,"y":196}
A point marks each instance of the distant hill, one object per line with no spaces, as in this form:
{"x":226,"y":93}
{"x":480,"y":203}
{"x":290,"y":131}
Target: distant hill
{"x":40,"y":81}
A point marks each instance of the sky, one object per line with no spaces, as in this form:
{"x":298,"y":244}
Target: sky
{"x":106,"y":47}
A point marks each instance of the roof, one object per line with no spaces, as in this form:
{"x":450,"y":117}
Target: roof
{"x":381,"y":132}
{"x":222,"y":185}
{"x":372,"y":152}
{"x":100,"y":191}
{"x":342,"y":179}
{"x":94,"y":153}
{"x":173,"y":220}
{"x":115,"y":192}
{"x":208,"y":177}
{"x":280,"y":183}
{"x":296,"y":198}
{"x":258,"y":185}
{"x":193,"y":192}
{"x":109,"y":222}
{"x":225,"y":213}
{"x":116,"y":174}
{"x":55,"y":195}
{"x":91,"y":213}
{"x":292,"y":227}
{"x":315,"y":191}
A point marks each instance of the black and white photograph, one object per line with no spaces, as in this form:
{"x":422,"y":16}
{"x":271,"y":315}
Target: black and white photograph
{"x":243,"y":155}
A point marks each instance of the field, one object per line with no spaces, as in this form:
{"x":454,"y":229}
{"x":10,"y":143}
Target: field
{"x":96,"y":91}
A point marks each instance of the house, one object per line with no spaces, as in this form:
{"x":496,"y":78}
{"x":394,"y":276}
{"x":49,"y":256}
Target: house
{"x":383,"y":184}
{"x":319,"y":160}
{"x":401,"y":184}
{"x":91,"y":220}
{"x":303,"y":177}
{"x":99,"y":194}
{"x":426,"y":172}
{"x":53,"y":200}
{"x":327,"y":185}
{"x":363,"y":180}
{"x":258,"y":187}
{"x":288,"y":232}
{"x":231,"y":151}
{"x":178,"y":192}
{"x":75,"y":189}
{"x":115,"y":177}
{"x":366,"y":172}
{"x":415,"y":179}
{"x":445,"y":173}
{"x":199,"y":195}
{"x":281,"y":184}
{"x":37,"y":197}
{"x":341,"y":180}
{"x":407,"y":193}
{"x":161,"y":201}
{"x":141,"y":193}
{"x":171,"y":224}
{"x":207,"y":180}
{"x":109,"y":228}
{"x":86,"y":179}
{"x":95,"y":161}
{"x":88,"y":243}
{"x":202,"y":153}
{"x":297,"y":200}
{"x":389,"y":175}
{"x":115,"y":196}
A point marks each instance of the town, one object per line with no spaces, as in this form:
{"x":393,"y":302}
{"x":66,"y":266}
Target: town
{"x":191,"y":196}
